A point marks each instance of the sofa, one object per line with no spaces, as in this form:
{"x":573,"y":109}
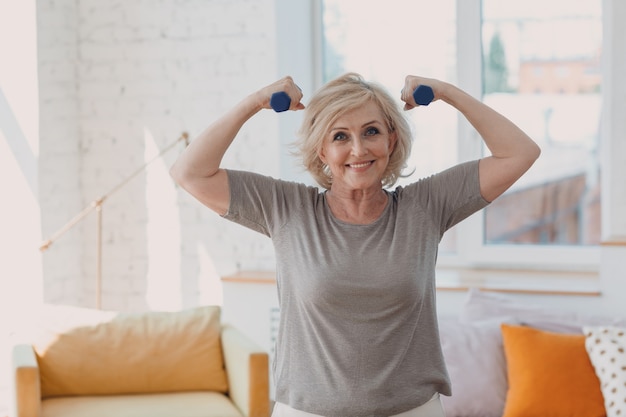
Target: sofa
{"x":507,"y":358}
{"x":72,"y":361}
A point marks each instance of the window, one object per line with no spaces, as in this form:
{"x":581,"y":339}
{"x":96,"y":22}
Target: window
{"x":371,"y":42}
{"x":538,"y":63}
{"x":541,"y":68}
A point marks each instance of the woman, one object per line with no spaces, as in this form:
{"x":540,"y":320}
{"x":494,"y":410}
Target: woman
{"x":358,"y":333}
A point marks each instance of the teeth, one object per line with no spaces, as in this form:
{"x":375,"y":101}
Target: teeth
{"x":364,"y":164}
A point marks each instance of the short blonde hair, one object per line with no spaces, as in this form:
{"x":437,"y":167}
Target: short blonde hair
{"x":334,"y":99}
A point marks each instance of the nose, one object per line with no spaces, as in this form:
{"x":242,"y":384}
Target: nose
{"x":358,"y":147}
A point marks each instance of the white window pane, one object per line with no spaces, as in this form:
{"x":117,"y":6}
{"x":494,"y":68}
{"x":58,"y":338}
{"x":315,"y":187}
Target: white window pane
{"x":386,"y":43}
{"x":542,"y":70}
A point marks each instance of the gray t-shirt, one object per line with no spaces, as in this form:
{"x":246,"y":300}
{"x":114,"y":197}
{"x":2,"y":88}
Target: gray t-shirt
{"x":358,"y":333}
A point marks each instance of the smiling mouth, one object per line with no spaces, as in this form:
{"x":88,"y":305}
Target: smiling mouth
{"x":361,"y":165}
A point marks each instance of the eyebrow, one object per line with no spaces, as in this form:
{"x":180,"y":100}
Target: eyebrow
{"x":365,"y":124}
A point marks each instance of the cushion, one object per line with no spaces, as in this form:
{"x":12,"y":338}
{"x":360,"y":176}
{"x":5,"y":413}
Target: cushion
{"x":179,"y":404}
{"x":606,"y":346}
{"x":481,"y":305}
{"x":549,"y":375}
{"x":91,"y":352}
{"x":475,"y":360}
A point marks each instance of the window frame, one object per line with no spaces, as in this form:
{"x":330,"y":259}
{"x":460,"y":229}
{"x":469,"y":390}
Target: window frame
{"x":471,"y":251}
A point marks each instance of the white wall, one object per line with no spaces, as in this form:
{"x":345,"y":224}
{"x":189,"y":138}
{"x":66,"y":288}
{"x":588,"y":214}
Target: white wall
{"x":20,"y":262}
{"x":613,"y":263}
{"x":59,"y":159}
{"x":119,"y":81}
{"x":20,"y":265}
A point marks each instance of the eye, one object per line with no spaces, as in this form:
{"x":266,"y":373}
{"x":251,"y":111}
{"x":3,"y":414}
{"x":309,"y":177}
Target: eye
{"x":340,"y":136}
{"x":371,"y":131}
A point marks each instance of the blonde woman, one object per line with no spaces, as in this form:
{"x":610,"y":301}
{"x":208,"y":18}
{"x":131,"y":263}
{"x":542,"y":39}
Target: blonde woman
{"x":355,"y":258}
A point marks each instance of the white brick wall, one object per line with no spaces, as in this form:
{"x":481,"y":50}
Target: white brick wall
{"x":120,"y":80}
{"x":59,"y":158}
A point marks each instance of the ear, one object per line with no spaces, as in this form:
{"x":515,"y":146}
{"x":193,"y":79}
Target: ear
{"x":320,"y":154}
{"x":393,"y":140}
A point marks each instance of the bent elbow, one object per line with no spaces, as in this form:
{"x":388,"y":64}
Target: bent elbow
{"x":178,"y":174}
{"x":535,"y":153}
{"x":537,"y":150}
{"x":531,"y":153}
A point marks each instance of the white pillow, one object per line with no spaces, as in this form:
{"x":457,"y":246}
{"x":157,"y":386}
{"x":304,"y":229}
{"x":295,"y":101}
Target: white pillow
{"x":481,"y":305}
{"x":606,"y":346}
{"x":476,"y":364}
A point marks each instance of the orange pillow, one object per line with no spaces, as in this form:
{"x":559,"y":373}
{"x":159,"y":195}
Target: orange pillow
{"x":549,"y":375}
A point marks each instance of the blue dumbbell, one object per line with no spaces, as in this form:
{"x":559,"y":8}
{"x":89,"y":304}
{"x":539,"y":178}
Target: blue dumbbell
{"x":423,"y":95}
{"x":280,"y":101}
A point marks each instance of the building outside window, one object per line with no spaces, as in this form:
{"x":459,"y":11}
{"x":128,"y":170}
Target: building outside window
{"x":541,"y":67}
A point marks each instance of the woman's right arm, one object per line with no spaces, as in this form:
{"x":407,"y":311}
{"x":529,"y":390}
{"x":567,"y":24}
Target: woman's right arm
{"x":198,"y":170}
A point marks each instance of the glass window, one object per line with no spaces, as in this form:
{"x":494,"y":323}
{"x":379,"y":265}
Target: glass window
{"x":541,"y":68}
{"x":384,"y":44}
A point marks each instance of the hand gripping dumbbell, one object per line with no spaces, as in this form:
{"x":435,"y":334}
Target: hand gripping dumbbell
{"x":422,"y":95}
{"x":280,"y":101}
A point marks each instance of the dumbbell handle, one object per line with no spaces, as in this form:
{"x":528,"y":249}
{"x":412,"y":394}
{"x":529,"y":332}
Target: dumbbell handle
{"x":280,"y":101}
{"x":423,"y":95}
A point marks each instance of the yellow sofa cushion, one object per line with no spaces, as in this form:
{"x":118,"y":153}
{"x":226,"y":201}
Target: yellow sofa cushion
{"x":90,"y":352}
{"x":179,"y":404}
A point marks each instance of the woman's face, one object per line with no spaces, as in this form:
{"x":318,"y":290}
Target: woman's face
{"x":357,"y":148}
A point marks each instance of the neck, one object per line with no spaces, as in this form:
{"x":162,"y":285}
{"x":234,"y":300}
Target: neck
{"x":358,"y":206}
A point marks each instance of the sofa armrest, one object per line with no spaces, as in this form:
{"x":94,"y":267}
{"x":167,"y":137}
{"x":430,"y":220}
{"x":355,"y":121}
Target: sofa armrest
{"x":247,"y":368}
{"x":25,"y":384}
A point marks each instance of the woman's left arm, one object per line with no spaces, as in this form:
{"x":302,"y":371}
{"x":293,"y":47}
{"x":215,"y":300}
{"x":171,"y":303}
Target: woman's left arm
{"x":512,"y":151}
